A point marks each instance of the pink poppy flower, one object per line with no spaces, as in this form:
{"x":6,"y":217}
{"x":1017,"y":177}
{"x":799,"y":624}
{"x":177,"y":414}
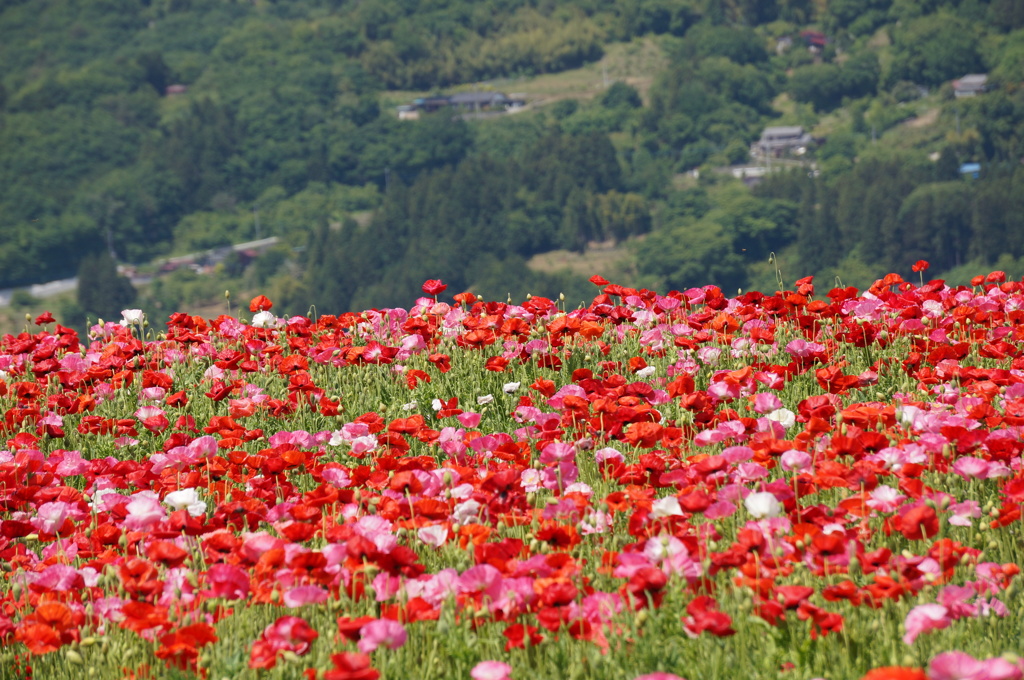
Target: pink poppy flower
{"x":795,"y":460}
{"x":766,"y":402}
{"x":999,"y":668}
{"x":972,"y":468}
{"x":386,"y":586}
{"x":720,"y":510}
{"x":957,"y":665}
{"x":72,"y":464}
{"x":469,"y":419}
{"x":434,"y":535}
{"x":923,"y":618}
{"x":50,"y":517}
{"x":227,"y":581}
{"x":557,"y":452}
{"x":303,"y":595}
{"x":491,"y":670}
{"x":58,"y":577}
{"x":255,"y":544}
{"x":961,"y":513}
{"x":144,"y":510}
{"x":954,"y":666}
{"x":884,"y":498}
{"x":382,"y":632}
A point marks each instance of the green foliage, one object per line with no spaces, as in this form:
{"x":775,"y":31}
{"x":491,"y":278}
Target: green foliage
{"x":697,"y":244}
{"x":700,"y":108}
{"x":739,"y":44}
{"x":620,"y":216}
{"x":998,"y":119}
{"x":564,"y":108}
{"x":935,"y":223}
{"x":935,"y":48}
{"x":843,"y":13}
{"x":561,"y":192}
{"x":102,"y":292}
{"x":621,"y":95}
{"x":283,"y":125}
{"x":998,"y":217}
{"x":22,"y":299}
{"x":827,"y":85}
{"x":595,"y":120}
{"x":692,"y":254}
{"x":656,"y":16}
{"x":183,"y":287}
{"x":1007,"y":14}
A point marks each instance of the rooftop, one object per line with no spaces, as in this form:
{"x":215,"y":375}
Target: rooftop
{"x":782,"y":131}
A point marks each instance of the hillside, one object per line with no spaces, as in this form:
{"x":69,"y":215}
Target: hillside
{"x":145,"y":129}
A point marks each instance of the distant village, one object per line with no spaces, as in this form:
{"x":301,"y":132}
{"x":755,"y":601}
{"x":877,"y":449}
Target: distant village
{"x":792,"y":141}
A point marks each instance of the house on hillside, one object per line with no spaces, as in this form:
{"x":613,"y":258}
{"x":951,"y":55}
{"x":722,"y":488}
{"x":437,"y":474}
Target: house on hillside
{"x":479,"y":101}
{"x":431,"y":104}
{"x":463,"y":102}
{"x":815,"y":40}
{"x":782,"y":139}
{"x":970,"y":85}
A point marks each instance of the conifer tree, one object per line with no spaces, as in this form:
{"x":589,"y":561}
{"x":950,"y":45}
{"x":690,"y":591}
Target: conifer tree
{"x":102,"y":292}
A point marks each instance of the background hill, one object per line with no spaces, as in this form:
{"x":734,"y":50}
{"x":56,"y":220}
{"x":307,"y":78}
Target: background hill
{"x":149,"y":129}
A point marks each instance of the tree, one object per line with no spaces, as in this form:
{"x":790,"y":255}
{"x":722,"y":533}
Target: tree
{"x":934,"y":224}
{"x":825,"y":85}
{"x":935,"y":48}
{"x":621,"y":95}
{"x":692,"y":254}
{"x":740,"y":44}
{"x":156,"y":72}
{"x":843,"y":13}
{"x":102,"y":292}
{"x":1007,"y":14}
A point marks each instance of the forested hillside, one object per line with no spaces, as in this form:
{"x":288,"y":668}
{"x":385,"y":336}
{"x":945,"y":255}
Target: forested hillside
{"x":151,"y":128}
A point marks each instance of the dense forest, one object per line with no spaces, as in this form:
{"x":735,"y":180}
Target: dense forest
{"x":136,"y":129}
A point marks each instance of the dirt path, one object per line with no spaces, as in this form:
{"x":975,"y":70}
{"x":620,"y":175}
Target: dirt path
{"x":924,"y":120}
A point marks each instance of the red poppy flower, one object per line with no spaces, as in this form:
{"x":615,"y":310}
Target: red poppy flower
{"x":919,"y":523}
{"x":351,"y":666}
{"x":180,"y":649}
{"x":895,"y":673}
{"x":704,"y":616}
{"x":434,"y":287}
{"x":260,"y":303}
{"x":519,"y":634}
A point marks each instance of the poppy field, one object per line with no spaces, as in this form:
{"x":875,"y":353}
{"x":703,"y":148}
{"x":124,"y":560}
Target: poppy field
{"x":801,"y":485}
